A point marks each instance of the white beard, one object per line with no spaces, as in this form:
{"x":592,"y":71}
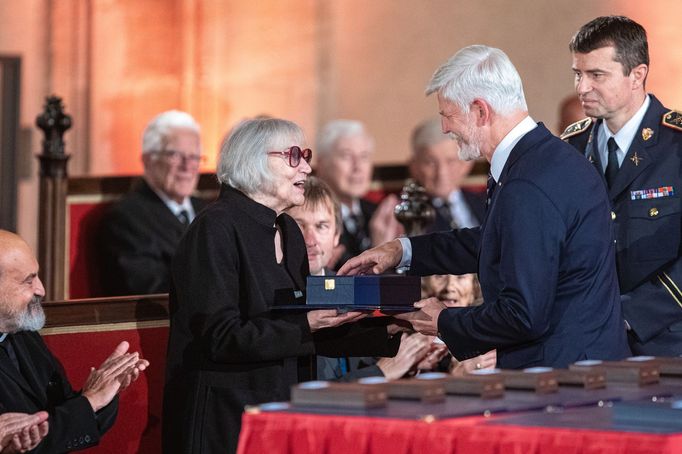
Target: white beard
{"x":32,"y":319}
{"x":472,"y":150}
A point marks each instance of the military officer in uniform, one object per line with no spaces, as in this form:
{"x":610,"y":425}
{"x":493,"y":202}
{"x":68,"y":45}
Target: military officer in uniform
{"x":636,"y":144}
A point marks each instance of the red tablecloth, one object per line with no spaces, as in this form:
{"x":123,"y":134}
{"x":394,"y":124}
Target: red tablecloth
{"x":294,"y":433}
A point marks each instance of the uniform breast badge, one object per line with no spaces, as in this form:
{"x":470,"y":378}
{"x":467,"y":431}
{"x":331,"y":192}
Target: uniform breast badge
{"x":647,"y":133}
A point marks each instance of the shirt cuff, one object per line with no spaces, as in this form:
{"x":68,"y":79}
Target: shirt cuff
{"x":406,"y":259}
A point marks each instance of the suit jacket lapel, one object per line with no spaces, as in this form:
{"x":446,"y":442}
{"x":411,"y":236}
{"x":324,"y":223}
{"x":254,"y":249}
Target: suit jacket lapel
{"x":591,"y":149}
{"x":522,"y":146}
{"x":159,"y":211}
{"x":27,"y":380}
{"x":639,"y":156}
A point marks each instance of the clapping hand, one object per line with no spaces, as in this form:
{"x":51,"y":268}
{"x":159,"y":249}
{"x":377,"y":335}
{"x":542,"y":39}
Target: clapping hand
{"x":384,"y":226}
{"x":413,"y":349}
{"x":116,"y":373}
{"x":20,"y":432}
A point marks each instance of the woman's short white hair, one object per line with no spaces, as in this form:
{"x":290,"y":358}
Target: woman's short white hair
{"x":335,"y":130}
{"x":480,"y":72}
{"x":243,"y":162}
{"x":157,"y":131}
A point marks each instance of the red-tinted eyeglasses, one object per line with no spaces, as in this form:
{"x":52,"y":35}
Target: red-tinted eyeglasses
{"x":295,"y":154}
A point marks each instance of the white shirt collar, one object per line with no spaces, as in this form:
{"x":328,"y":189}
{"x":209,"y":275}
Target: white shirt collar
{"x":353,"y":209}
{"x":626,"y":135}
{"x":505,"y":147}
{"x":175,"y":207}
{"x":2,"y":337}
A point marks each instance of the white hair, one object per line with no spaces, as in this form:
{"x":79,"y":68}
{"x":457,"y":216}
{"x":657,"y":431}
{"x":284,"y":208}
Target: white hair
{"x":338,"y":129}
{"x":156,"y":133}
{"x":243,"y":162}
{"x":479,"y":72}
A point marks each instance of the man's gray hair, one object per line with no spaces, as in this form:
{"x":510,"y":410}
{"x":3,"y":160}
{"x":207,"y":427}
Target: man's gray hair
{"x":479,"y":72}
{"x":338,"y":129}
{"x":156,"y":133}
{"x":427,"y":133}
{"x":243,"y":162}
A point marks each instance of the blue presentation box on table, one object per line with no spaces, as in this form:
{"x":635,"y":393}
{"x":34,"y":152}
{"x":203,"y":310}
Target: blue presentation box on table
{"x":382,"y":292}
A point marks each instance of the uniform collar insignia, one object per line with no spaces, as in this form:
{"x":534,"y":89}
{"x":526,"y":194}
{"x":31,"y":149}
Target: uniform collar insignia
{"x":636,"y":159}
{"x":647,"y":133}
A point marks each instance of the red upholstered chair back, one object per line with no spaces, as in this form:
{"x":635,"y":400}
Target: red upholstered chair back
{"x":84,"y":215}
{"x":83,"y":333}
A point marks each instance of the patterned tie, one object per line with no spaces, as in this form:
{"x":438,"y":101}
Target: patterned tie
{"x":183,"y":217}
{"x":489,"y":189}
{"x":612,"y":166}
{"x":357,"y":229}
{"x":445,"y":211}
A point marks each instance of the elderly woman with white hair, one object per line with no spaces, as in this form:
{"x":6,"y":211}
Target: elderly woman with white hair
{"x":240,"y":257}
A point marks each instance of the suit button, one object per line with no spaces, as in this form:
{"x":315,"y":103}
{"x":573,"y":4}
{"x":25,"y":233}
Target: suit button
{"x":653,"y":212}
{"x":613,"y":216}
{"x":87,"y":438}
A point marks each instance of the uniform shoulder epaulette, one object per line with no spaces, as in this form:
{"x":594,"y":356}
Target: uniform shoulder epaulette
{"x":673,"y":119}
{"x":576,"y":128}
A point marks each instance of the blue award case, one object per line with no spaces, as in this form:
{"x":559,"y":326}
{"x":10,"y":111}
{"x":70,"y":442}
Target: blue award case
{"x":393,"y":293}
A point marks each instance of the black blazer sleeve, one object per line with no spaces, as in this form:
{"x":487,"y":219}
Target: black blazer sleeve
{"x":73,"y":424}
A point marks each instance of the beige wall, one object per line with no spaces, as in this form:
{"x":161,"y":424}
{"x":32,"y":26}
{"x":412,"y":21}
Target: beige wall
{"x":118,"y":62}
{"x":23,"y":33}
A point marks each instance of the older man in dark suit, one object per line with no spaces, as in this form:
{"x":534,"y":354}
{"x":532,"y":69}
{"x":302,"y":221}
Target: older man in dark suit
{"x":435,"y":164}
{"x":545,"y":251}
{"x":141,"y":232}
{"x":32,"y":380}
{"x":636,"y":144}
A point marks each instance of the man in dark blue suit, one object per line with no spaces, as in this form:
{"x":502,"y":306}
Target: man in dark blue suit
{"x":636,"y":145}
{"x":545,"y":251}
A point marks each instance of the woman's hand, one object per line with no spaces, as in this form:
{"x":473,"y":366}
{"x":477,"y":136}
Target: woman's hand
{"x":413,"y":349}
{"x":487,"y":360}
{"x":329,"y":318}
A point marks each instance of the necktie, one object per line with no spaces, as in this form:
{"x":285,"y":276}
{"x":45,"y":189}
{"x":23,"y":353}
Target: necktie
{"x":612,"y":166}
{"x":357,"y":229}
{"x":489,"y":189}
{"x":183,"y":217}
{"x":445,"y":212}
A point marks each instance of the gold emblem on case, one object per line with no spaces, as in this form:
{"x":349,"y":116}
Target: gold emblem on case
{"x":329,"y":284}
{"x":653,"y":212}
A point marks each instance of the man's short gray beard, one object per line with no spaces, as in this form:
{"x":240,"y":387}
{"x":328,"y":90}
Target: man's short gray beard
{"x":472,"y":150}
{"x":469,"y":152}
{"x":32,"y":319}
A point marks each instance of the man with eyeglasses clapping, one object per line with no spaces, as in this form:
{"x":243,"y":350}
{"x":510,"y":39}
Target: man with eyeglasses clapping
{"x":142,"y":230}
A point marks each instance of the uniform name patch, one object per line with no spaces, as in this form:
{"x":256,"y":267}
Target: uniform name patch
{"x":655,"y":193}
